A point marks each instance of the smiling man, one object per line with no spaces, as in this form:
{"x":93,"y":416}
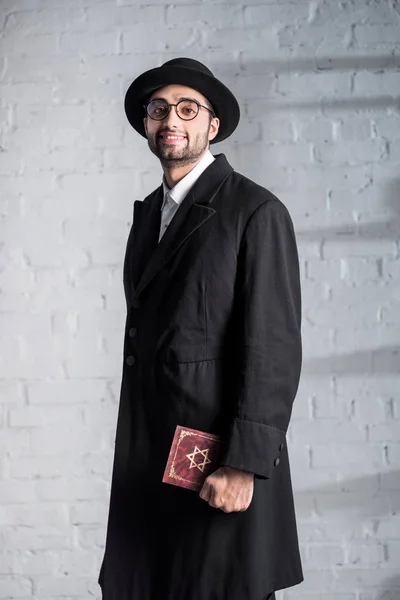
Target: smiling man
{"x":212,"y":342}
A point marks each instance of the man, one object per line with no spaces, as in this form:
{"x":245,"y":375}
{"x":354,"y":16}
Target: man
{"x":212,"y":342}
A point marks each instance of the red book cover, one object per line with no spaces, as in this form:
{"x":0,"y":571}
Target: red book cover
{"x":194,"y":455}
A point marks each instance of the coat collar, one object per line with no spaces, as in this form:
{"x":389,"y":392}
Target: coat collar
{"x":192,"y":213}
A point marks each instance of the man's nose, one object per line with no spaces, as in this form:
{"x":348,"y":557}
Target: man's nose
{"x":172,"y":119}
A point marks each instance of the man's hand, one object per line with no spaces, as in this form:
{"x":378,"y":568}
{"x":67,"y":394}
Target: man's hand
{"x":229,"y":489}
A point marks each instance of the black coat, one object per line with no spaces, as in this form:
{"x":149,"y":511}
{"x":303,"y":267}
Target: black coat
{"x":212,"y":341}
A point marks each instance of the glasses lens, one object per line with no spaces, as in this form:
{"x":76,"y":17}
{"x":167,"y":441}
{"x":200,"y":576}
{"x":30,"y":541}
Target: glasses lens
{"x":187,"y":109}
{"x":157,"y":109}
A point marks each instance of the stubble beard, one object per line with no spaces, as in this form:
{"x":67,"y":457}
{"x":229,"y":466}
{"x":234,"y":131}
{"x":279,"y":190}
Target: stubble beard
{"x":186,"y":154}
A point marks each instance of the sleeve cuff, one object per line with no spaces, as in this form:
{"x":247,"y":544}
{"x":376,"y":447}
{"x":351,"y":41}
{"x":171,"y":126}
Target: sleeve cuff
{"x":254,"y":447}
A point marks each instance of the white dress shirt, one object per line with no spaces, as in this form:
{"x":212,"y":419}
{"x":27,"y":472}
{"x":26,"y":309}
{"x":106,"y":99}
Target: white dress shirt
{"x":174,"y":196}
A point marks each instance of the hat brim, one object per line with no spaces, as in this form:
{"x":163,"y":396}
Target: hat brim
{"x":221,"y":98}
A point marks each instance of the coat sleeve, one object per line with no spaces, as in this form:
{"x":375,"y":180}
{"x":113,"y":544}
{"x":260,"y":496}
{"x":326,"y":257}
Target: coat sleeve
{"x":267,"y":338}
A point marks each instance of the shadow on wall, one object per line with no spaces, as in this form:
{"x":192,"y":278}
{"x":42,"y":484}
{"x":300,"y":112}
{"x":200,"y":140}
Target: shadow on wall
{"x":377,"y":361}
{"x":393,"y":594}
{"x":356,"y":510}
{"x":380,"y":361}
{"x":353,"y":498}
{"x":231,"y":75}
{"x":371,"y":231}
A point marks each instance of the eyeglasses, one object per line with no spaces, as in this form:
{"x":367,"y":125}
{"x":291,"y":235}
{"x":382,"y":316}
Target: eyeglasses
{"x":186,"y":109}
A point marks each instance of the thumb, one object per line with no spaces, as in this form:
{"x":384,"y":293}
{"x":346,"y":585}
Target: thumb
{"x":205,"y":491}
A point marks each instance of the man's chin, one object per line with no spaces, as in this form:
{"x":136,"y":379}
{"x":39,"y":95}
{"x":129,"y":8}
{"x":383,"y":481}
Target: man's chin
{"x":172,"y":156}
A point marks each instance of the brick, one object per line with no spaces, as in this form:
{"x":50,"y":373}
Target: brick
{"x":317,"y":130}
{"x":102,"y":17}
{"x":371,"y":35}
{"x":355,"y":11}
{"x":320,"y":176}
{"x":61,"y":437}
{"x":327,"y":431}
{"x":169,"y":39}
{"x":348,"y":456}
{"x":11,"y":392}
{"x":309,"y":37}
{"x":274,"y":14}
{"x":78,"y":87}
{"x":277,"y":130}
{"x":45,"y":21}
{"x":17,"y":492}
{"x":322,"y":554}
{"x":218,"y":17}
{"x":357,"y":246}
{"x":37,"y":69}
{"x":53,"y":117}
{"x":48,"y":518}
{"x":394,"y":150}
{"x":255,"y":43}
{"x":14,"y":443}
{"x":64,"y":160}
{"x":96,"y":43}
{"x":387,"y":127}
{"x":89,"y":513}
{"x":388,"y":528}
{"x":371,"y":83}
{"x":33,"y":45}
{"x":391,"y":594}
{"x":74,"y":490}
{"x":351,"y":152}
{"x":39,"y":563}
{"x":354,"y":578}
{"x":355,"y":129}
{"x":279,"y":155}
{"x":14,"y":588}
{"x":314,"y":85}
{"x":36,"y":416}
{"x":393,"y":452}
{"x":98,"y":464}
{"x":393,"y":551}
{"x":366,"y":554}
{"x":27,"y":93}
{"x":11,"y":163}
{"x":384,"y":432}
{"x":90,"y":537}
{"x":360,"y":269}
{"x":62,"y":585}
{"x":372,"y":408}
{"x":298,"y":595}
{"x":47,"y":466}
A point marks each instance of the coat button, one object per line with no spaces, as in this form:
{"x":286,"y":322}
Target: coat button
{"x":276,"y":462}
{"x":132,"y":331}
{"x":130,"y":360}
{"x":281,"y":447}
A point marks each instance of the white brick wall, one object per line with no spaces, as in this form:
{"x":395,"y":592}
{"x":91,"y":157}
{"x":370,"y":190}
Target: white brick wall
{"x":319,"y":86}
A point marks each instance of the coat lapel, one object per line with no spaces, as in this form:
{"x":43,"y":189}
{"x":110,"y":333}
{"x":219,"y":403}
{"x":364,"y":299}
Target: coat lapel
{"x":146,"y":228}
{"x":192,"y":213}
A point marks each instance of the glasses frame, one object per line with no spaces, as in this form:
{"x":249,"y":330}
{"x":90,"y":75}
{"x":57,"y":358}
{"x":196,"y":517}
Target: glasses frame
{"x":146,"y":106}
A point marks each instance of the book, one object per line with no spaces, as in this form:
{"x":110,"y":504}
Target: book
{"x":193,"y":456}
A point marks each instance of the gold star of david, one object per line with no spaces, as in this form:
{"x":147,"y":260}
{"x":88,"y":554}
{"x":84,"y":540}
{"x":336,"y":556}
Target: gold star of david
{"x":201,"y":465}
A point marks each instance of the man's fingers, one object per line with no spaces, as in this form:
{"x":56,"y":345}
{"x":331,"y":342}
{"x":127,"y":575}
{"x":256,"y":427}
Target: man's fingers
{"x":205,"y":492}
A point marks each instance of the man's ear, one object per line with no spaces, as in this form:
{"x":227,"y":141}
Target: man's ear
{"x":214,"y":126}
{"x":145,"y":124}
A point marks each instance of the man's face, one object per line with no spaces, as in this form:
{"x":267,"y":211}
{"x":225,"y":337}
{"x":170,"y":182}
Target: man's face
{"x":193,"y":136}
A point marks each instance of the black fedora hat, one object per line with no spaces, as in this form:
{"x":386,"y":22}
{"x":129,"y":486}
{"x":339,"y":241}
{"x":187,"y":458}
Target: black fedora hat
{"x":189,"y":72}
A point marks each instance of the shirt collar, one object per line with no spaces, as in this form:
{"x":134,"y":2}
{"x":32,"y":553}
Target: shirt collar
{"x":181,"y":189}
